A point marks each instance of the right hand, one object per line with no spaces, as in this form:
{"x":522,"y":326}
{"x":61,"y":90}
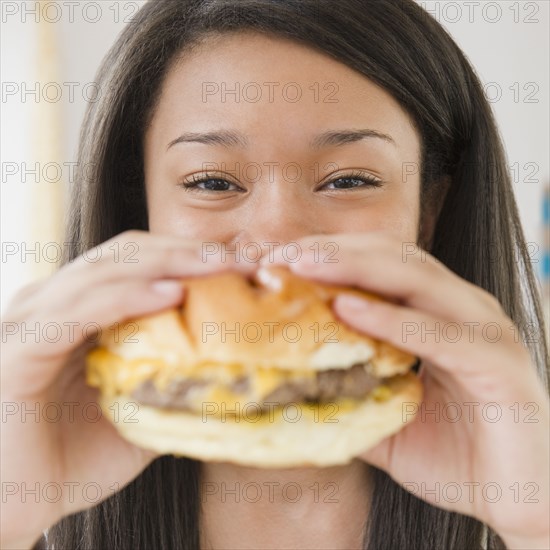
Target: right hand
{"x":56,"y":458}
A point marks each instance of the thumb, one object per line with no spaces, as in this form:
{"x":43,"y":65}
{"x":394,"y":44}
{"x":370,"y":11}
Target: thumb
{"x":379,"y":455}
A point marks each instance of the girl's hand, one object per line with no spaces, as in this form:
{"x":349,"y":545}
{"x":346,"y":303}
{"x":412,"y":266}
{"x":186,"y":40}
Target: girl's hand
{"x":480,"y":442}
{"x":58,"y":454}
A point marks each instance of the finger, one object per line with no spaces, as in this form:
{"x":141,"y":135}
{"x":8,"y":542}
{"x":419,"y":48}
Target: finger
{"x":389,"y":267}
{"x":379,"y":455}
{"x":41,"y":342}
{"x":74,"y":281}
{"x":140,"y":254}
{"x":468,"y":352}
{"x":109,"y":303}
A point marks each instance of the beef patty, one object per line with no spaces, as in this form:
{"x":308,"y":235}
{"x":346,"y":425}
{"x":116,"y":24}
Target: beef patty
{"x":355,"y":382}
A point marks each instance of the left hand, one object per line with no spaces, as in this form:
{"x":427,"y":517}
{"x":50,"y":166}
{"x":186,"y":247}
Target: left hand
{"x":479,"y":444}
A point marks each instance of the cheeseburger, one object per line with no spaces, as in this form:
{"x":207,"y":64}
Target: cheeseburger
{"x":257,"y":371}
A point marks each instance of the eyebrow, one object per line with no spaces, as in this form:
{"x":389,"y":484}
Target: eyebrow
{"x":231,"y":138}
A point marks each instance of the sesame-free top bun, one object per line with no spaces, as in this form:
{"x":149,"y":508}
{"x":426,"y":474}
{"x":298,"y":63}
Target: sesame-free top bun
{"x":201,"y":375}
{"x":276,"y":319}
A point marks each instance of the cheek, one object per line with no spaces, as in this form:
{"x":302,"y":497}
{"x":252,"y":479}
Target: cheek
{"x":405,"y":214}
{"x":395,"y":211}
{"x":168,"y":215}
{"x":168,"y":218}
{"x":401,"y":223}
{"x":164,"y":216}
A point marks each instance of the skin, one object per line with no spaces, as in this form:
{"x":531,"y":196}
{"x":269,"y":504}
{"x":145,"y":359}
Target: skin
{"x":371,"y":226}
{"x":77,"y":447}
{"x":275,"y":209}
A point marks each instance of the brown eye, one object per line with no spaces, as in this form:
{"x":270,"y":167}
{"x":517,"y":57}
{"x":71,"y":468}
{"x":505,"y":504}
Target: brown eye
{"x":353,"y":181}
{"x":209,"y":184}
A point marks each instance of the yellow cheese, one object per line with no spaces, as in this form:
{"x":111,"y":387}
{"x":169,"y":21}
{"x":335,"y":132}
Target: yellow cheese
{"x":265,"y":381}
{"x":114,"y":376}
{"x":381,"y":393}
{"x":107,"y":372}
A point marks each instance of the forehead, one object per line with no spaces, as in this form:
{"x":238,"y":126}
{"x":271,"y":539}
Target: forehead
{"x":277,"y":91}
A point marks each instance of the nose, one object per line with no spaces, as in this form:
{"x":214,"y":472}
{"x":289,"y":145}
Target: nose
{"x":276,"y":222}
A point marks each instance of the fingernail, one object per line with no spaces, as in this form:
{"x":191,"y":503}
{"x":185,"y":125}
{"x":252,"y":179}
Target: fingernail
{"x":353,"y":303}
{"x":274,"y":257}
{"x":167,"y":288}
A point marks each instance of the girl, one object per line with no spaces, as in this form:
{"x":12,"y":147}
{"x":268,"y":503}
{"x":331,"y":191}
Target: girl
{"x":365,"y":126}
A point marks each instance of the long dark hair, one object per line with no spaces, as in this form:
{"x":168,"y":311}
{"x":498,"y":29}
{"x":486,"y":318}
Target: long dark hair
{"x":399,"y":46}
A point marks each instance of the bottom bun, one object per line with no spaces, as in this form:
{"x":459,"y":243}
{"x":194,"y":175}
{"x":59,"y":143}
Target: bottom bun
{"x":291,"y":438}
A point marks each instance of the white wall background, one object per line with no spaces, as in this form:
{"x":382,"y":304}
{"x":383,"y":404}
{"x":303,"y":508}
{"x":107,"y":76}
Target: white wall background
{"x":507,"y":42}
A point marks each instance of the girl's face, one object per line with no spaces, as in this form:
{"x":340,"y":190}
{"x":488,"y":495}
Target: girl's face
{"x":289,"y":142}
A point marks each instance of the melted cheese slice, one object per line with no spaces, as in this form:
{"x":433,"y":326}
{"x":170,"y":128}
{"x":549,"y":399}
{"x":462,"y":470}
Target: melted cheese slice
{"x":115,"y":376}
